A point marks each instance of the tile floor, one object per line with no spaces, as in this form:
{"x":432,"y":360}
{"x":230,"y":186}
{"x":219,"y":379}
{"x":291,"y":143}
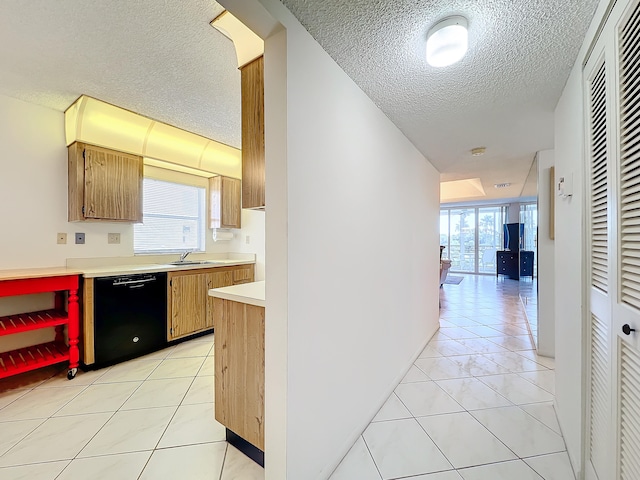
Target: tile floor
{"x":476,"y":404}
{"x":149,"y":419}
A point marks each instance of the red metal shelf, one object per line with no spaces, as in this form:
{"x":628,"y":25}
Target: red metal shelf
{"x":30,"y":358}
{"x":24,"y":322}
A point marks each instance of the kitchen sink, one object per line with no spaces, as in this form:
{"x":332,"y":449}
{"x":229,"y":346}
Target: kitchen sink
{"x":191,"y":262}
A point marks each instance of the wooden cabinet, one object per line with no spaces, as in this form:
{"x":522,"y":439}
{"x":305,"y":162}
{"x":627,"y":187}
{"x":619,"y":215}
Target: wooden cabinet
{"x":190,"y":309}
{"x":239,"y":369}
{"x":224,"y":205}
{"x":104,"y":184}
{"x":252,"y":88}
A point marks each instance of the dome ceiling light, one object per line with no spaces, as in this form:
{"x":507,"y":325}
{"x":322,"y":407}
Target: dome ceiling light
{"x":447,"y":41}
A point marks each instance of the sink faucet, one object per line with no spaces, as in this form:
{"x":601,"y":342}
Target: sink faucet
{"x":184,"y":255}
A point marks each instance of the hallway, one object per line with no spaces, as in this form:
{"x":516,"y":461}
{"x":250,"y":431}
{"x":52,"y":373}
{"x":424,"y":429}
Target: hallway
{"x":476,"y":405}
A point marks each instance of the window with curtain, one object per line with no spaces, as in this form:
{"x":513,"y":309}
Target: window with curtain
{"x":173,"y":218}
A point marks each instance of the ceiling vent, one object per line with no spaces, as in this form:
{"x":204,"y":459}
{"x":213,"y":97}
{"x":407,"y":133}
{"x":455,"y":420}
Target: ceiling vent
{"x":502,"y":185}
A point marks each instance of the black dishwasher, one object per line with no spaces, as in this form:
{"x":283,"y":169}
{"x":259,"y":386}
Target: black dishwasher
{"x":130,"y":316}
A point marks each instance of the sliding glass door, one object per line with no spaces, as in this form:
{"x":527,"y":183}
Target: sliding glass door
{"x":472,"y":235}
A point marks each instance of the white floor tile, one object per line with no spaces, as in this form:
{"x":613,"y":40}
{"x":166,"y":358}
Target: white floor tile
{"x":519,"y":431}
{"x":108,"y":467}
{"x":10,"y":396}
{"x":472,"y":394}
{"x":177,"y":367}
{"x":200,"y":391}
{"x":501,"y":471}
{"x":415,"y":375}
{"x":58,"y":438}
{"x":358,"y":463}
{"x":191,"y":349}
{"x":12,"y":432}
{"x":82,"y":378}
{"x":456,"y":333}
{"x":478,"y":365}
{"x":547,"y":362}
{"x":131,"y":371}
{"x":99,"y":398}
{"x":542,"y":378}
{"x":552,"y":467}
{"x":193,"y":424}
{"x":159,"y":393}
{"x":450,"y":347}
{"x":130,"y":431}
{"x":38,"y":471}
{"x":238,"y":466}
{"x":464,"y":441}
{"x":482,"y":345}
{"x":514,"y":343}
{"x":207,"y":367}
{"x":515,"y":362}
{"x":33,"y":405}
{"x":429,"y":352}
{"x":194,"y":462}
{"x":426,"y":398}
{"x":450,"y":475}
{"x":401,"y":448}
{"x":516,"y":389}
{"x":393,"y":409}
{"x":441,"y":368}
{"x":545,"y":413}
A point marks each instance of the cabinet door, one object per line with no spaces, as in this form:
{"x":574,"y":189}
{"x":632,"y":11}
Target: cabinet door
{"x":224,"y":206}
{"x":216,"y":280}
{"x":252,"y":87}
{"x":243,"y":274}
{"x":188,"y":304}
{"x":112,"y":185}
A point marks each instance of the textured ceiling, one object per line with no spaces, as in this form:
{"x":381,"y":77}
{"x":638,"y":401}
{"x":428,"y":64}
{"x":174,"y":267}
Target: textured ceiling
{"x":501,"y":95}
{"x":161,"y":59}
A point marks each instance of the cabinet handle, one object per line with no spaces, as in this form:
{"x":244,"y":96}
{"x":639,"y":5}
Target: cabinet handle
{"x":626,"y":329}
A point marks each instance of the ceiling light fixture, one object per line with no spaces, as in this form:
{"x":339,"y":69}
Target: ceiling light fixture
{"x":476,"y":152}
{"x":502,"y":185}
{"x":447,"y":41}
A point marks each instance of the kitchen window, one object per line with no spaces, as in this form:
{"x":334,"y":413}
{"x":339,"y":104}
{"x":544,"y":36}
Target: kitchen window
{"x":173,"y":218}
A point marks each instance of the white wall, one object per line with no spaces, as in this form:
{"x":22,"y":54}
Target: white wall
{"x":546,"y":258}
{"x":253,"y":228}
{"x":569,"y":269}
{"x":358,"y":308}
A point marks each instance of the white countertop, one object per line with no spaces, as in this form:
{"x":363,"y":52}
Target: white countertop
{"x":249,"y":293}
{"x":107,"y":271}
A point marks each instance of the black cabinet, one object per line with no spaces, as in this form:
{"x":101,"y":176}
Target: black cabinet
{"x":526,"y":263}
{"x":507,"y":264}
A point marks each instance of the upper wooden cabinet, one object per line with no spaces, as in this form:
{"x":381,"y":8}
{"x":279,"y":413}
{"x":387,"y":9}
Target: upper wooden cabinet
{"x":104,"y":184}
{"x":252,"y":88}
{"x":224,"y":206}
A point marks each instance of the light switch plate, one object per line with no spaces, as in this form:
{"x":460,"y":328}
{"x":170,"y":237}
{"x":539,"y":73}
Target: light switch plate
{"x":79,"y":238}
{"x":62,"y":238}
{"x":113,"y":238}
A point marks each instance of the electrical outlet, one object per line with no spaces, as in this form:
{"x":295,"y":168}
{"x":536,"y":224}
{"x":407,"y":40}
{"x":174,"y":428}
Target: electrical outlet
{"x":79,"y":238}
{"x":247,"y":239}
{"x":62,"y":238}
{"x":113,"y":238}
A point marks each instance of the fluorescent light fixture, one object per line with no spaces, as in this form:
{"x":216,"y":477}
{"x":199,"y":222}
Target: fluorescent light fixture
{"x":447,"y":41}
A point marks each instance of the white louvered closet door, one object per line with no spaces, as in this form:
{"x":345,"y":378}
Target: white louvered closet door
{"x":612,"y":108}
{"x":599,"y":435}
{"x":627,"y":307}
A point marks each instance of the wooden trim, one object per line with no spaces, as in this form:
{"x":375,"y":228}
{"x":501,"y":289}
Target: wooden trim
{"x":88,"y":345}
{"x":75,"y":182}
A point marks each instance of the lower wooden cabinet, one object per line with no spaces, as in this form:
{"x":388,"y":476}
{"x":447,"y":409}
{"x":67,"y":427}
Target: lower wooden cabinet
{"x":190,"y":309}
